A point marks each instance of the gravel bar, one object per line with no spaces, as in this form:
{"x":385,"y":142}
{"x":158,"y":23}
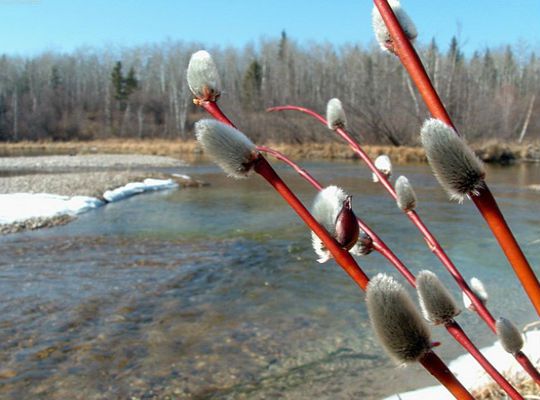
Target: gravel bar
{"x":78,"y":175}
{"x":93,"y":183}
{"x":87,"y":161}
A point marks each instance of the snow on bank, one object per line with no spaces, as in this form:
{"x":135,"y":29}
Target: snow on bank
{"x":473,"y":377}
{"x":134,"y":188}
{"x":22,"y":206}
{"x":15,"y":207}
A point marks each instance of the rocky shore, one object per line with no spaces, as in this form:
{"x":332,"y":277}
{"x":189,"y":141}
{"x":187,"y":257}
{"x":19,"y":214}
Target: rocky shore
{"x":64,"y":163}
{"x":79,"y":175}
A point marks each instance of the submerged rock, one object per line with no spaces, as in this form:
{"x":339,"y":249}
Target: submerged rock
{"x":35,"y":223}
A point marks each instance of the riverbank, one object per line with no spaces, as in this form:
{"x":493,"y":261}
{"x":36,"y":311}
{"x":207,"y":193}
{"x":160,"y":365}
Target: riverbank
{"x":215,"y":293}
{"x":492,"y":151}
{"x":44,"y":191}
{"x":478,"y":382}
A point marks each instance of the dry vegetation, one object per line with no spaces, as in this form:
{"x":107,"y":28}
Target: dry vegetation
{"x":141,"y":92}
{"x":161,"y":147}
{"x":491,"y":151}
{"x":527,"y":388}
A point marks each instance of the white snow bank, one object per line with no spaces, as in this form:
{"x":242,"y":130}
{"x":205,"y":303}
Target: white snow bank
{"x":133,"y":188}
{"x":183,"y":176}
{"x":472,"y":376}
{"x":22,"y":206}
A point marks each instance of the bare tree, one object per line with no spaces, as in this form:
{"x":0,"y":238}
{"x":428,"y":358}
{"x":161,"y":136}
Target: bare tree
{"x":72,"y":96}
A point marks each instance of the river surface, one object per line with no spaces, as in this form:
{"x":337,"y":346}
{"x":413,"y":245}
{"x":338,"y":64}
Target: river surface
{"x":214,"y":292}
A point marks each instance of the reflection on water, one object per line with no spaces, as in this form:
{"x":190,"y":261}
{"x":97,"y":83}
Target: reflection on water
{"x":214,"y":293}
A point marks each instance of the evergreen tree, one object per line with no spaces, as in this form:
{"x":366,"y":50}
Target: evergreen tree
{"x":432,"y":54}
{"x":283,"y":44}
{"x":454,"y":52}
{"x":489,"y":71}
{"x":123,"y":86}
{"x":130,"y":83}
{"x":117,"y":79}
{"x":251,"y":85}
{"x":509,"y":71}
{"x":56,"y":78}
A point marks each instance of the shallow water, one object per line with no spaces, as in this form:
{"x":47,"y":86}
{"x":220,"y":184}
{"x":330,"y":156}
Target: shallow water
{"x":214,"y":293}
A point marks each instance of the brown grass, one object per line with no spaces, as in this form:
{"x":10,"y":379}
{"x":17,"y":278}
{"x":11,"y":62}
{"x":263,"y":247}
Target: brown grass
{"x":492,"y":151}
{"x":161,"y":147}
{"x":398,"y":155}
{"x":497,"y":151}
{"x":527,"y":388}
{"x":190,"y":149}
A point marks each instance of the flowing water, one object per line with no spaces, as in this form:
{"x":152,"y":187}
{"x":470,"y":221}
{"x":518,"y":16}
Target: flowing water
{"x":214,"y":293}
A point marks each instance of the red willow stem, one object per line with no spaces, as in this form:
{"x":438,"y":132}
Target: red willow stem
{"x":342,"y":257}
{"x":301,"y":171}
{"x":352,"y":143}
{"x":213,"y":109}
{"x":385,"y":251}
{"x":453,"y":327}
{"x":486,"y":204}
{"x":485,"y":201}
{"x":378,"y":243}
{"x":457,"y":332}
{"x":430,"y":361}
{"x":528,"y":366}
{"x":440,"y":371}
{"x":437,"y":249}
{"x":262,"y":167}
{"x":410,"y":60}
{"x":432,"y":243}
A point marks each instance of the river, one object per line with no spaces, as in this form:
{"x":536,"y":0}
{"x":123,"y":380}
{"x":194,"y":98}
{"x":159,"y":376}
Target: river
{"x":214,"y":292}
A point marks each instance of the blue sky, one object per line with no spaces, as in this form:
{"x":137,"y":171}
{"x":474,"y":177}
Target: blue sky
{"x":31,"y":26}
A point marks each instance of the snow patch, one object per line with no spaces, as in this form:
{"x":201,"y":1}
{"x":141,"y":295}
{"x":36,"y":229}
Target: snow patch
{"x":134,"y":188}
{"x":473,"y":377}
{"x":183,"y":176}
{"x":22,"y":206}
{"x":15,"y":207}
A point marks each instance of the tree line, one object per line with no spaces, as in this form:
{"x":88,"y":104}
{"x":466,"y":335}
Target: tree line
{"x":142,"y":91}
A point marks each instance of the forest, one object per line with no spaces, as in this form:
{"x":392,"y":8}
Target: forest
{"x":141,"y":92}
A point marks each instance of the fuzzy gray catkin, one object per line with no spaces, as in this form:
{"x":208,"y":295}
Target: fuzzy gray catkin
{"x":227,"y":146}
{"x":459,"y":171}
{"x":325,"y":209}
{"x":363,"y":246}
{"x":202,"y":76}
{"x":397,"y":324}
{"x":335,"y":115}
{"x":438,"y":305}
{"x":477,"y":287}
{"x":326,"y":206}
{"x":406,"y":198}
{"x":381,"y":31}
{"x":384,"y":166}
{"x":509,"y":335}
